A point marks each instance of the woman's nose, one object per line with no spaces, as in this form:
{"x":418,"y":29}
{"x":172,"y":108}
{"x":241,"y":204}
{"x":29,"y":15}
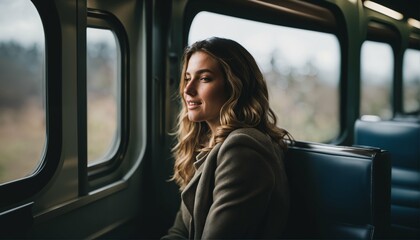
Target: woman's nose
{"x":190,"y":89}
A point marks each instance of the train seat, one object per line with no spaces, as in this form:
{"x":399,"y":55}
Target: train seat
{"x":338,"y":192}
{"x":401,"y":137}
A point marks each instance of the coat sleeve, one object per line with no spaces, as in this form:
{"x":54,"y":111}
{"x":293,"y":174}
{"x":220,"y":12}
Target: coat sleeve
{"x":244,"y":182}
{"x":178,"y":230}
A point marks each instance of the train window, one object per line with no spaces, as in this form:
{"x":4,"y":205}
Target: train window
{"x":22,"y":89}
{"x":301,"y":68}
{"x":377,"y":63}
{"x":102,"y":94}
{"x":411,"y":80}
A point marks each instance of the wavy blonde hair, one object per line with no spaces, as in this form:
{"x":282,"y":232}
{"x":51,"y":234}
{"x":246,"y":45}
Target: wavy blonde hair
{"x":247,"y":107}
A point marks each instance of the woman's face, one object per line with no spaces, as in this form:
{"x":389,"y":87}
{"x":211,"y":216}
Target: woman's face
{"x":205,"y":91}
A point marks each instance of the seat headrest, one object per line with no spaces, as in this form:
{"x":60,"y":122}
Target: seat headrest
{"x":331,"y":186}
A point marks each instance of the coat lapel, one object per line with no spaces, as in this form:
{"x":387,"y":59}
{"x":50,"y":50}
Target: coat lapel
{"x":188,"y":195}
{"x":204,"y":192}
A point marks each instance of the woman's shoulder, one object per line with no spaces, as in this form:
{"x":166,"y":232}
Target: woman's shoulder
{"x":249,"y":143}
{"x":248,"y":133}
{"x":248,"y":137}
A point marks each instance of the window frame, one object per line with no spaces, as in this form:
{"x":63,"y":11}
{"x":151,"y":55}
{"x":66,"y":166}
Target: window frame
{"x":22,"y":189}
{"x":282,"y":14}
{"x":382,"y":31}
{"x":414,"y":40}
{"x":104,"y":172}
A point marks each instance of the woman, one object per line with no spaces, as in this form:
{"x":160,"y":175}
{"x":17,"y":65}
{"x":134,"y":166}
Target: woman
{"x":229,"y":155}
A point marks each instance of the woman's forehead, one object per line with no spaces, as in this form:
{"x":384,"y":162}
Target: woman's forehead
{"x":200,"y":62}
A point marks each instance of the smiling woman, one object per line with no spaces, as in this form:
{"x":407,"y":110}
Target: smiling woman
{"x":204,"y":92}
{"x":229,"y":156}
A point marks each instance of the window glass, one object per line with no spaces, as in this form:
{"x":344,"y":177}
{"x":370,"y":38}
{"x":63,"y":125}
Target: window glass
{"x":301,"y":68}
{"x":411,"y":80}
{"x":102,"y":94}
{"x":376,"y":79}
{"x":22,"y":89}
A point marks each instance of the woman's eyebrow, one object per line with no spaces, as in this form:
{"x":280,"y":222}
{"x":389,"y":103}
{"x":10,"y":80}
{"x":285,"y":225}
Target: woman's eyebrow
{"x":201,"y":71}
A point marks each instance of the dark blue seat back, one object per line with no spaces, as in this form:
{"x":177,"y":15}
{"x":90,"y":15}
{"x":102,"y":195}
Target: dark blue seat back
{"x":401,"y":138}
{"x":338,"y":192}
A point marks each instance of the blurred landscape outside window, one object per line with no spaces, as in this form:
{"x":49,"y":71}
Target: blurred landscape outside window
{"x":22,"y":89}
{"x":102,"y":94}
{"x":411,"y":80}
{"x":377,"y":69}
{"x":301,"y":67}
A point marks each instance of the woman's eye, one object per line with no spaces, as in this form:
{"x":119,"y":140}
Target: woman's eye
{"x":205,"y":79}
{"x":187,"y":79}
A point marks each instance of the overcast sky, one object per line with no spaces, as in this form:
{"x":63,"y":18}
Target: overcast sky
{"x":295,"y":46}
{"x":20,"y":21}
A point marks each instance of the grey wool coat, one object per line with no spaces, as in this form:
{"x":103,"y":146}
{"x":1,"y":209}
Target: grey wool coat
{"x":239,"y":190}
